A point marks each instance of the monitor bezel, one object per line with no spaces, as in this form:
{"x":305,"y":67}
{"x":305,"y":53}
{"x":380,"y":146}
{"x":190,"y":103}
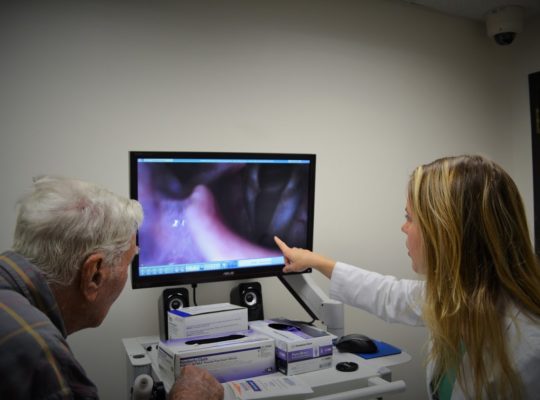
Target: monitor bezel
{"x":140,"y":282}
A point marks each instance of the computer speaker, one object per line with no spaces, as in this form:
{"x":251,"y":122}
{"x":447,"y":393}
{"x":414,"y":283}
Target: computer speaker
{"x":249,"y":295}
{"x":170,"y":299}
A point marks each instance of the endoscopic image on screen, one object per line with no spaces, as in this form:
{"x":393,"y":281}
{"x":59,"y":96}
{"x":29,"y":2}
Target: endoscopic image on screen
{"x":200,"y":212}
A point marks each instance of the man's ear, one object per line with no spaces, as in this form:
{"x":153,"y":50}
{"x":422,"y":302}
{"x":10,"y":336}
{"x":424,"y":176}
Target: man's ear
{"x":92,"y":276}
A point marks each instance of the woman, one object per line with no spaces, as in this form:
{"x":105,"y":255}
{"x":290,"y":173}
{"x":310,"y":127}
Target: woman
{"x":467,"y":234}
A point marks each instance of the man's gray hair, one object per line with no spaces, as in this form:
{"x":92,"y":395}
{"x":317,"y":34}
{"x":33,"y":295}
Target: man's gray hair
{"x":62,"y":221}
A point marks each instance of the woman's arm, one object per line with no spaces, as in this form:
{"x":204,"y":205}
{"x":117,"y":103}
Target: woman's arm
{"x":298,"y":260}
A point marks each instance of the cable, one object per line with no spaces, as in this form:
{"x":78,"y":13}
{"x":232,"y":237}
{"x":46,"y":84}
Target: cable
{"x":194,"y":287}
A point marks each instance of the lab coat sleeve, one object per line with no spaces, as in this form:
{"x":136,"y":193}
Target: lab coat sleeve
{"x":524,"y":348}
{"x":529,"y":371}
{"x":389,"y":298}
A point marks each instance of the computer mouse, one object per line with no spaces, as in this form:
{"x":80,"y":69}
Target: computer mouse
{"x":356,"y":343}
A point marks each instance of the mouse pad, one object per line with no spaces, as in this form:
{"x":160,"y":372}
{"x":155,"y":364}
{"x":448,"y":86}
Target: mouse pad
{"x":384,"y":349}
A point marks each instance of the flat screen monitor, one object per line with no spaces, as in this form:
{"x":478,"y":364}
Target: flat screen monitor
{"x":212,"y":216}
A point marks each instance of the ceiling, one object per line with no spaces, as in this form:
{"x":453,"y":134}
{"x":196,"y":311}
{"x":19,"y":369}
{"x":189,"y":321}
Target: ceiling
{"x":476,"y":9}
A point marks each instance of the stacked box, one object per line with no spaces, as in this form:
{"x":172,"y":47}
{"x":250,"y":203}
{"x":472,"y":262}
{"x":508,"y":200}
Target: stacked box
{"x":206,"y":320}
{"x":298,"y":349}
{"x":228,"y":357}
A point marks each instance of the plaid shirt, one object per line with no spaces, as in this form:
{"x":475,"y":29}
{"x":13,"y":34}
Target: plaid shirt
{"x":35,"y":359}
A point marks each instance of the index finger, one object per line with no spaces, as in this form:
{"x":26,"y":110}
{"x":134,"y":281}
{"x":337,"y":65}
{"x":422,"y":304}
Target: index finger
{"x":281,"y":244}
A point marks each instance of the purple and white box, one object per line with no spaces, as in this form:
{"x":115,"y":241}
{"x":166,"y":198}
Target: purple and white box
{"x":231,"y":356}
{"x":209,"y":319}
{"x":298,"y":349}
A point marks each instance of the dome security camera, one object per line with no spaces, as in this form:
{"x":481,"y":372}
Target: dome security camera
{"x":504,"y":23}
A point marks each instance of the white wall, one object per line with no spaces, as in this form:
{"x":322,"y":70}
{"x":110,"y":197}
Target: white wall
{"x":372,"y":87}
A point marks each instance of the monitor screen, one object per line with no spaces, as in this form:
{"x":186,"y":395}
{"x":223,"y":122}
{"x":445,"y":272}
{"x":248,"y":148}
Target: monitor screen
{"x":212,"y":216}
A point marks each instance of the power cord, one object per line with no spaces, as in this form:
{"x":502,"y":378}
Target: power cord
{"x":194,"y":287}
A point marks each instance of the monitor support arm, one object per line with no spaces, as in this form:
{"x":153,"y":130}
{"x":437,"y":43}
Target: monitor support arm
{"x":316,"y":303}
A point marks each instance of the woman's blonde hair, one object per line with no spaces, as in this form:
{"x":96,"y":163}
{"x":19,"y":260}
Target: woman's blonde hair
{"x":479,"y":258}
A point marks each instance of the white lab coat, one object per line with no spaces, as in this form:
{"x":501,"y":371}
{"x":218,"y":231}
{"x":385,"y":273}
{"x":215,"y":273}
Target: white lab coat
{"x":400,"y":300}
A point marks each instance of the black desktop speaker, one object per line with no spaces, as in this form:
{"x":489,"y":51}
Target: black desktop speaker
{"x":170,"y":299}
{"x":249,"y":295}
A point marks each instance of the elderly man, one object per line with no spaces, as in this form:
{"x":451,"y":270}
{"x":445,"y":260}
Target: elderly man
{"x":72,"y":248}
